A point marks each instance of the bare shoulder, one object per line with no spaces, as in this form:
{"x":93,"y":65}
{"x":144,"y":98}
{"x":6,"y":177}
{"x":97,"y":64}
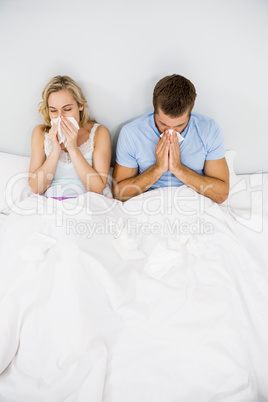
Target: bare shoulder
{"x":39,"y":131}
{"x":102,"y":134}
{"x":102,"y":131}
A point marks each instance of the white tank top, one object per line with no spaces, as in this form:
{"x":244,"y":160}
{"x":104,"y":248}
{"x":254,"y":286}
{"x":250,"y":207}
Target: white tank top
{"x":66,"y":182}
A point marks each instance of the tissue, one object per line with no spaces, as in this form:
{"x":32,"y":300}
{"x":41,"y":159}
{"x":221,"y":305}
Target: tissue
{"x":60,"y":135}
{"x":180,"y":137}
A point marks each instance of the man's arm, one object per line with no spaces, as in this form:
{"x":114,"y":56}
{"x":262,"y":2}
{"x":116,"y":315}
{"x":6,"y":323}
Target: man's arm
{"x":128,"y":183}
{"x":215,"y":182}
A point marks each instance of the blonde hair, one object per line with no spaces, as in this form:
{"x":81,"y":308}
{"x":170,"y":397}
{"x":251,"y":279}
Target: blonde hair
{"x":59,"y":83}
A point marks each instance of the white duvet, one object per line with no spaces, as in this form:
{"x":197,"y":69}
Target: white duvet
{"x":161,"y":299}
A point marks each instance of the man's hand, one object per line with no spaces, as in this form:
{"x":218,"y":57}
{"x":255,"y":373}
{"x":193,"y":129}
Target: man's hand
{"x":161,"y":152}
{"x":174,"y":161}
{"x":214,"y":184}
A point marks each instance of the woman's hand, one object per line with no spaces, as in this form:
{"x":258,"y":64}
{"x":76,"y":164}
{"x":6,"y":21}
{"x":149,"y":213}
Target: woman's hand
{"x":70,"y":132}
{"x":52,"y":134}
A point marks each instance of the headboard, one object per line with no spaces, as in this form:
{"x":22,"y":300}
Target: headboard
{"x":118,"y":50}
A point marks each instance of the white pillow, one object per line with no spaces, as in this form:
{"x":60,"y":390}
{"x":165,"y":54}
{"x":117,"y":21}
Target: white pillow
{"x":230,"y":158}
{"x":14,"y":185}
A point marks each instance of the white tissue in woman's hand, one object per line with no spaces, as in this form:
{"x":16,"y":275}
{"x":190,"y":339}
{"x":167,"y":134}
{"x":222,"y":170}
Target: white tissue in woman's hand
{"x":61,"y":136}
{"x":180,"y":137}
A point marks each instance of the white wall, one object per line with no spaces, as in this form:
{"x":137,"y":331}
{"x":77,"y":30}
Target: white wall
{"x":118,"y":50}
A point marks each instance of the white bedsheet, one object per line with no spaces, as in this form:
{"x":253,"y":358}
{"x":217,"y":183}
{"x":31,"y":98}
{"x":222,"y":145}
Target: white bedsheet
{"x":3,"y":217}
{"x":163,"y":298}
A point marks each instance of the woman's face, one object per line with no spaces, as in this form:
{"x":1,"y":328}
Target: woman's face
{"x":62,"y":103}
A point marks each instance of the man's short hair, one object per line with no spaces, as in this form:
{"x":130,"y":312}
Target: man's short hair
{"x":174,"y":95}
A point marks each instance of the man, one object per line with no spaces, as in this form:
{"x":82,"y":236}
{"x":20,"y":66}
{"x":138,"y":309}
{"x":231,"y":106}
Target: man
{"x":146,"y":159}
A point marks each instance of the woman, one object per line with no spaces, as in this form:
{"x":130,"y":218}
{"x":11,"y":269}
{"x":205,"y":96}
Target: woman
{"x":77,"y":162}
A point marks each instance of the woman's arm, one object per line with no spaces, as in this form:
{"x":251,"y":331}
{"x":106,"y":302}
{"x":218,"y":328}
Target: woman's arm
{"x":42,"y":170}
{"x":94,"y":177}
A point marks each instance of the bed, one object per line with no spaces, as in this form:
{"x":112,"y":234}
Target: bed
{"x":163,"y":298}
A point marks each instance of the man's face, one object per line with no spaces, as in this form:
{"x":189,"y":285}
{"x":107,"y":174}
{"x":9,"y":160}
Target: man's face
{"x":164,"y":122}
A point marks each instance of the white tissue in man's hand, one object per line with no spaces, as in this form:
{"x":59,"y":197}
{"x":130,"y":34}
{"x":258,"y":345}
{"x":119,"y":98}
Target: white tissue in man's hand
{"x":61,"y":136}
{"x":180,"y":137}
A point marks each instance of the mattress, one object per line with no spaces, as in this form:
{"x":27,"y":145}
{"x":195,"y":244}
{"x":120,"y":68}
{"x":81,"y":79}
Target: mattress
{"x":161,"y":298}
